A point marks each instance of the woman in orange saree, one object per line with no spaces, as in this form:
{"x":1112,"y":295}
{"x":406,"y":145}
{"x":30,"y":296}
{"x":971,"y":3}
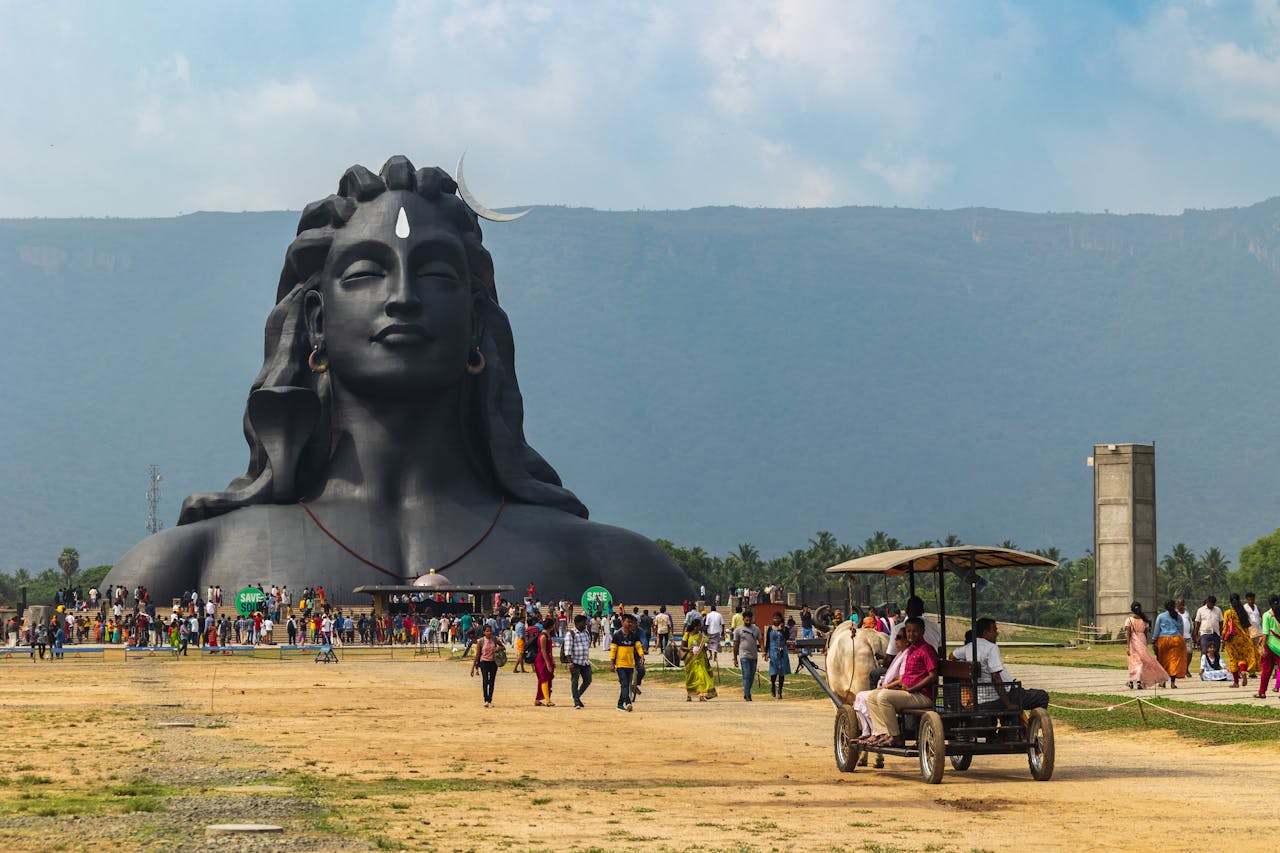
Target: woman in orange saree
{"x":1171,"y":649}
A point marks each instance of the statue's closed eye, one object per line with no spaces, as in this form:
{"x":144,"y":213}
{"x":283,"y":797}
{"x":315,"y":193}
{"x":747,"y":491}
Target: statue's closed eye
{"x":437,"y":269}
{"x":362,"y":271}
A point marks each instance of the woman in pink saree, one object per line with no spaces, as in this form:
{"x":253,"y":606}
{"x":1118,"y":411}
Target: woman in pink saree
{"x":1144,"y":670}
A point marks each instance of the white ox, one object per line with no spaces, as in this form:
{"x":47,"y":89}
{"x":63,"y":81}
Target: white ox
{"x":850,"y":658}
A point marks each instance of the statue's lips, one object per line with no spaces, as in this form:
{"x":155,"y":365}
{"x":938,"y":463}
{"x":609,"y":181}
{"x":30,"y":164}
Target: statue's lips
{"x":402,"y":334}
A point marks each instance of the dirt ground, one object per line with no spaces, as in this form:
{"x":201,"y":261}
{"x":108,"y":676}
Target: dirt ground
{"x":400,"y":754}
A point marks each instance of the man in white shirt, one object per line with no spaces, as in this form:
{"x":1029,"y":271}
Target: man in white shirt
{"x":1181,"y":606}
{"x":1255,"y":621}
{"x":662,"y":626}
{"x":715,"y":632}
{"x":993,"y":672}
{"x":1208,"y":625}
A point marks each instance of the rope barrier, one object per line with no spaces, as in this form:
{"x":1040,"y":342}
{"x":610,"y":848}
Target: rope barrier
{"x":1108,"y":708}
{"x":1149,"y":704}
{"x":1214,"y":722}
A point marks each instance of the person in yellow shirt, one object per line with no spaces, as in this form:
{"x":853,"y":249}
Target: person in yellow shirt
{"x":626,"y":655}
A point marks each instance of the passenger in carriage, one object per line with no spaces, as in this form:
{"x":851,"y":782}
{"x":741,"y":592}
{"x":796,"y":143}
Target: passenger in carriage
{"x":914,"y":688}
{"x":1013,"y":697}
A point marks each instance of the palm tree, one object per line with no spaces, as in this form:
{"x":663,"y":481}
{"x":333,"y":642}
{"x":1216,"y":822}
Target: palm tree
{"x":879,"y":543}
{"x":1213,"y":570}
{"x":1181,"y":570}
{"x":747,"y":555}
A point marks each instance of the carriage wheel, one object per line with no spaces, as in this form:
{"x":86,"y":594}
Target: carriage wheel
{"x":1040,"y":752}
{"x":961,"y":762}
{"x":846,"y":734}
{"x":932,"y":743}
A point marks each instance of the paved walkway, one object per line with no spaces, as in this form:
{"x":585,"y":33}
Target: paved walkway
{"x":1070,"y":679}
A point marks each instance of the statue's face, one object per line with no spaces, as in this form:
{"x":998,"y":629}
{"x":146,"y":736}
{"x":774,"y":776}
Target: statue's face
{"x":395,"y":311}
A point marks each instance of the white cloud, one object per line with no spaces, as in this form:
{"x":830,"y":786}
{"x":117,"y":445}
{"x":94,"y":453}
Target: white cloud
{"x":625,"y":105}
{"x":910,"y":178}
{"x":1214,"y":63}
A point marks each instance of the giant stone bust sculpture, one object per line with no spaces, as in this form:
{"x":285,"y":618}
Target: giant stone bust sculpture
{"x":386,"y":426}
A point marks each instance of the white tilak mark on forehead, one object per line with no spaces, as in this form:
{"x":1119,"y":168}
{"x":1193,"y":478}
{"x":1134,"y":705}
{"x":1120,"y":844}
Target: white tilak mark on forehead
{"x":402,"y":225}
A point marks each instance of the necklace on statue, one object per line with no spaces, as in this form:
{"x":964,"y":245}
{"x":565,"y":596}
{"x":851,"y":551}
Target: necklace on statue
{"x":502,"y":504}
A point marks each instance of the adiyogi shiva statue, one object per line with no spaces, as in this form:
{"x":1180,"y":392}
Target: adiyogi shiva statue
{"x":385,"y":429}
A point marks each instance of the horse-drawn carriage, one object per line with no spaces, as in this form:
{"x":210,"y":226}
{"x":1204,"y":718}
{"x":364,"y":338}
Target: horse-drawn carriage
{"x":968,"y":717}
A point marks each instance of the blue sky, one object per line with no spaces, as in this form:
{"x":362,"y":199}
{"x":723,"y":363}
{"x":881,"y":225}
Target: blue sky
{"x":157,"y":108}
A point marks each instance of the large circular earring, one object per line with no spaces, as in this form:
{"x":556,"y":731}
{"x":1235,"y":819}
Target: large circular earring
{"x":475,"y":362}
{"x":318,"y":361}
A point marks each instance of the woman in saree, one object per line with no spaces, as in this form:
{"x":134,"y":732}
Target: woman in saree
{"x":1144,"y":670}
{"x":1236,"y":642}
{"x":544,"y":665}
{"x":1171,"y":649}
{"x":697,"y":671}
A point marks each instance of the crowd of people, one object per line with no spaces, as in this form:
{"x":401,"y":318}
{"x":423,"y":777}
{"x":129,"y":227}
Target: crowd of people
{"x":1234,"y":643}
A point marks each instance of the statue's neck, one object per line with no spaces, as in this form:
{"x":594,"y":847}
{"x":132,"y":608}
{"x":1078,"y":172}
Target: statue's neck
{"x":401,"y":453}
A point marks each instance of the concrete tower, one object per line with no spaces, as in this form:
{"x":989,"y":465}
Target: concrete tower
{"x":1124,"y":530}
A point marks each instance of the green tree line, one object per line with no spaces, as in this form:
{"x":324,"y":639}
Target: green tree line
{"x":1053,"y":597}
{"x":42,"y":587}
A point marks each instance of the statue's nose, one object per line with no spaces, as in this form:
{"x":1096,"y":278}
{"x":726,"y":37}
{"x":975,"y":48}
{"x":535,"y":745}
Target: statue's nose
{"x":403,"y":300}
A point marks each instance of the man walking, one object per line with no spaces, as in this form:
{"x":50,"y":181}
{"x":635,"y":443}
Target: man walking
{"x":625,"y":655}
{"x":746,"y":650}
{"x":1208,"y":626}
{"x":1255,"y":622}
{"x":577,"y":647}
{"x":662,"y":626}
{"x":715,"y":632}
{"x":806,"y":623}
{"x":1181,"y":606}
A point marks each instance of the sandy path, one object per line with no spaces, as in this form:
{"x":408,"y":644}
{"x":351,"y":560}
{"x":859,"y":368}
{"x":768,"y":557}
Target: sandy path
{"x":672,"y":775}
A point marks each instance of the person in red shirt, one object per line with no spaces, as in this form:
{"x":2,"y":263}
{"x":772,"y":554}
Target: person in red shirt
{"x":914,"y":688}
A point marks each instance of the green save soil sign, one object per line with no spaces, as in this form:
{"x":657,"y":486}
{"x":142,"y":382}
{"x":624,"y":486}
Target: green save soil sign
{"x":249,"y":599}
{"x":597,"y":600}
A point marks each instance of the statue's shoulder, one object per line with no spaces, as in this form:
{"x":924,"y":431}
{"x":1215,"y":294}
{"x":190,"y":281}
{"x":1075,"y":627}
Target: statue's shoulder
{"x":165,"y":561}
{"x":632,"y":566}
{"x":623,"y":546}
{"x":581,"y":538}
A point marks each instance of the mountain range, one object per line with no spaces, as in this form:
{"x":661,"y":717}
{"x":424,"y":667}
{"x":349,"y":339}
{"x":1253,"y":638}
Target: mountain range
{"x":709,"y":376}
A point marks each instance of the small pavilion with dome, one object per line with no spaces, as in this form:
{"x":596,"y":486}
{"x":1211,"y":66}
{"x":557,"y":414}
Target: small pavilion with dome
{"x":438,"y":593}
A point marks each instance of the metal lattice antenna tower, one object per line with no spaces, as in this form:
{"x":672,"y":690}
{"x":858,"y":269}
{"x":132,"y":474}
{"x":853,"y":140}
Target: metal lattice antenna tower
{"x":154,"y":524}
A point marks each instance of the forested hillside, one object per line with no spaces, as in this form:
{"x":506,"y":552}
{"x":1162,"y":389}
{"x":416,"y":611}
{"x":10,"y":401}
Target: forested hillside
{"x":708,"y":377}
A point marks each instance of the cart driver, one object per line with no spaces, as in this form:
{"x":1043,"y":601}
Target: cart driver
{"x":914,"y":688}
{"x":993,"y":672}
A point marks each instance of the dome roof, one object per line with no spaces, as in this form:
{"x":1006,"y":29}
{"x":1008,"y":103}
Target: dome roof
{"x":432,"y":579}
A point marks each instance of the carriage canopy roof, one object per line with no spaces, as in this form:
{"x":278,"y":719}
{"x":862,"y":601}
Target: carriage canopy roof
{"x":935,"y":559}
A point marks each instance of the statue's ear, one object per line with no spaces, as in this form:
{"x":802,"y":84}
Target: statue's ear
{"x":283,"y":419}
{"x":313,"y":314}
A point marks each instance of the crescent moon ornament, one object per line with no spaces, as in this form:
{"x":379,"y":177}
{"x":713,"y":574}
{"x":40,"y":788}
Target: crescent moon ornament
{"x":476,"y":207}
